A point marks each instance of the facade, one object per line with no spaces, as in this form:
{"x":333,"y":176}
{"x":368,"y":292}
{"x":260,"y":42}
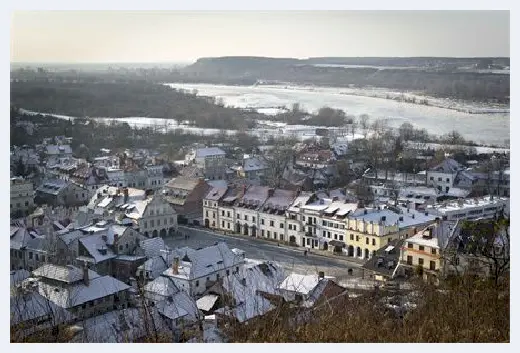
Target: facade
{"x":22,"y":196}
{"x":212,"y":161}
{"x":154,"y":176}
{"x":59,"y":192}
{"x":55,"y":153}
{"x":153,"y":216}
{"x":186,"y":196}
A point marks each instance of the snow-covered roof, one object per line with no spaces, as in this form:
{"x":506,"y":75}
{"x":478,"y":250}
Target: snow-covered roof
{"x":207,"y":302}
{"x":58,"y":149}
{"x":303,"y":284}
{"x":215,"y":194}
{"x":209,"y":151}
{"x":162,"y":286}
{"x":79,"y":293}
{"x":253,"y":163}
{"x":152,"y":247}
{"x":67,"y":274}
{"x":439,"y":236}
{"x":32,"y":305}
{"x":179,"y":305}
{"x":18,"y":276}
{"x":199,"y":263}
{"x":448,"y":166}
{"x":97,"y":248}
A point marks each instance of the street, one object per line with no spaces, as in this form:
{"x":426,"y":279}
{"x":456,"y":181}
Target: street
{"x":291,"y":259}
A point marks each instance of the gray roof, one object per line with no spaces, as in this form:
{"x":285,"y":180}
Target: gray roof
{"x":153,"y":246}
{"x":18,"y":276}
{"x":79,"y":293}
{"x":56,"y":150}
{"x":162,"y":286}
{"x":53,"y":186}
{"x":32,"y":305}
{"x":183,"y":183}
{"x":97,"y":248}
{"x":448,"y":166}
{"x":209,"y":151}
{"x":215,"y":194}
{"x":67,"y":274}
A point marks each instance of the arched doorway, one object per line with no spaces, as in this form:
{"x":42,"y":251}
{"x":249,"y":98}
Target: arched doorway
{"x":367,"y":254}
{"x":325,"y":246}
{"x":358,"y":252}
{"x":163,"y":232}
{"x":146,"y":234}
{"x":253,"y":231}
{"x":171,"y":232}
{"x":206,"y":223}
{"x":237,"y":228}
{"x":154,"y":233}
{"x":292,"y":239}
{"x":246,"y":229}
{"x":350,"y":250}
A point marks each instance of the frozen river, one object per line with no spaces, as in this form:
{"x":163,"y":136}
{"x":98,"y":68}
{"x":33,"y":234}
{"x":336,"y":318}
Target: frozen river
{"x":482,"y":128}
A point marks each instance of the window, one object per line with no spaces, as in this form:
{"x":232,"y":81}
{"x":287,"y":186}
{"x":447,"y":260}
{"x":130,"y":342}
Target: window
{"x":448,"y":180}
{"x":263,"y":233}
{"x":245,"y":218}
{"x":229,"y":225}
{"x":367,"y":241}
{"x":30,"y":255}
{"x":213,"y":215}
{"x":207,"y":214}
{"x":262,"y":221}
{"x":228,"y":214}
{"x":324,"y":233}
{"x":268,"y":234}
{"x":171,"y":218}
{"x":410,"y":246}
{"x":357,"y":237}
{"x":145,"y":224}
{"x":227,"y":272}
{"x":36,"y":257}
{"x":238,"y":215}
{"x":374,"y":242}
{"x":324,"y":223}
{"x":308,"y":241}
{"x":335,"y":236}
{"x":271,"y":223}
{"x":126,"y":245}
{"x":303,"y":218}
{"x":434,"y":251}
{"x":254,"y":219}
{"x":421,"y":261}
{"x":439,"y":179}
{"x":26,"y":203}
{"x":43,"y":258}
{"x":351,"y":236}
{"x":432,"y":265}
{"x":152,"y":223}
{"x":158,"y":222}
{"x":409,"y":260}
{"x":151,"y":212}
{"x":223,"y":213}
{"x":223,"y":224}
{"x":341,"y":237}
{"x":196,"y":283}
{"x":421,"y":248}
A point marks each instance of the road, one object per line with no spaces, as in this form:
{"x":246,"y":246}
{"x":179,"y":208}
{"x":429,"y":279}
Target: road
{"x":291,"y":259}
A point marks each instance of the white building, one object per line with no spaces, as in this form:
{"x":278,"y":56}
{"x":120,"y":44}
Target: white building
{"x":442,"y":176}
{"x":153,"y":216}
{"x":211,"y":160}
{"x":483,"y":207}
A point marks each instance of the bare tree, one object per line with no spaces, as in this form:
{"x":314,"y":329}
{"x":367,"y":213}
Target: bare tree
{"x":364,"y":123}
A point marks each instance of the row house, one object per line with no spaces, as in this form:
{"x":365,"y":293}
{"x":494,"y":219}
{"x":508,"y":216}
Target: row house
{"x":153,"y":216}
{"x":22,"y":196}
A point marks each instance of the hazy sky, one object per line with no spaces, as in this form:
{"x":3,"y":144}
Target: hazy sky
{"x":185,"y":36}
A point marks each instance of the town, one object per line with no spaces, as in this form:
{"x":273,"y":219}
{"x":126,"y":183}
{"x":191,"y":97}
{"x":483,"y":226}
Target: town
{"x":105,"y":243}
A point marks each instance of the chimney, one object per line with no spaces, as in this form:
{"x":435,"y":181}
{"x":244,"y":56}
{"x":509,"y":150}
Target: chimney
{"x":175,"y":266}
{"x":85,"y":274}
{"x":321,"y":274}
{"x":125,"y":191}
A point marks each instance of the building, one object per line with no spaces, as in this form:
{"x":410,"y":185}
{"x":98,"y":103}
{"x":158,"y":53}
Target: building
{"x":300,"y":288}
{"x":90,"y":178}
{"x":82,"y":292}
{"x":383,"y":265}
{"x":154,"y":176}
{"x":212,"y":160}
{"x":315,"y":158}
{"x":247,"y":207}
{"x":22,"y":197}
{"x":193,"y":271}
{"x":154,"y":216}
{"x":252,"y":168}
{"x":55,"y":153}
{"x":482,"y":207}
{"x":211,"y":206}
{"x":448,"y":174}
{"x":421,"y":253}
{"x":272,"y":221}
{"x":59,"y":192}
{"x":186,"y":196}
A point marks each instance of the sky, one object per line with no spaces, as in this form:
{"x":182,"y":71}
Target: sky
{"x":176,"y":36}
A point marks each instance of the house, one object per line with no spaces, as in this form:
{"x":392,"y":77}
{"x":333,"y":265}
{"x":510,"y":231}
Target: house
{"x":154,"y":216}
{"x":272,"y":215}
{"x":211,"y":206}
{"x":246,"y":209}
{"x":90,"y":178}
{"x":443,"y":176}
{"x":22,"y":196}
{"x":59,"y":192}
{"x":252,"y":168}
{"x":82,"y":292}
{"x":315,"y":158}
{"x":186,"y":196}
{"x":55,"y":153}
{"x":422,"y":252}
{"x":28,"y":249}
{"x":212,"y":160}
{"x":194,"y":270}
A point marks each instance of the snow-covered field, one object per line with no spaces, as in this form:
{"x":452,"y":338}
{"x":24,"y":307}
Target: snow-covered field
{"x":481,"y":128}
